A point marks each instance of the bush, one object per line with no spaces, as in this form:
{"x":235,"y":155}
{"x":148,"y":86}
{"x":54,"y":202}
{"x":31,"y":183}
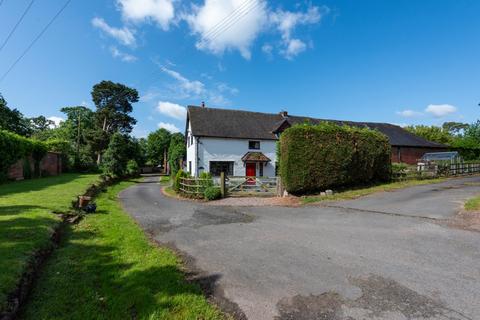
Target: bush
{"x":315,"y":158}
{"x":115,"y":159}
{"x":205,"y":179}
{"x":212,"y":193}
{"x":132,"y":167}
{"x":399,"y":170}
{"x":176,"y":183}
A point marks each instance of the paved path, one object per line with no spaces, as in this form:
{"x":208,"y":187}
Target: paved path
{"x":362,"y":259}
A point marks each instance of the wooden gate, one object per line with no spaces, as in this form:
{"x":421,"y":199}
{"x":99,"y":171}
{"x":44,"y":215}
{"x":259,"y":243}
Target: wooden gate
{"x":251,"y":186}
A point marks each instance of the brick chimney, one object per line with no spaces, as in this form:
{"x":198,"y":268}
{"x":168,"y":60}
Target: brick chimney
{"x":284,"y":114}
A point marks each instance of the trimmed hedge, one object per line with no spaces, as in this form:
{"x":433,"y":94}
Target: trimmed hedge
{"x":14,"y":147}
{"x":318,"y":157}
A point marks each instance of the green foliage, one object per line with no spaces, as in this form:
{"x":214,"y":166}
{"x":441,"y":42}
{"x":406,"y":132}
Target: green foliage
{"x":13,"y":147}
{"x":178,"y":177}
{"x":132,"y":167}
{"x":319,"y":157}
{"x":114,"y":104}
{"x":431,"y":133}
{"x":212,"y":193}
{"x":157,"y":146}
{"x":399,"y":170}
{"x":176,"y":152}
{"x":113,"y":271}
{"x":116,"y":157}
{"x":13,"y":120}
{"x":27,"y":169}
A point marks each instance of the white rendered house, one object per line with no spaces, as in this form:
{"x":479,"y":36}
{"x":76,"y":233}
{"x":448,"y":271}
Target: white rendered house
{"x":222,"y":140}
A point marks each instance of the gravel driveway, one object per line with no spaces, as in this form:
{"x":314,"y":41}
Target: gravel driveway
{"x":385,"y":256}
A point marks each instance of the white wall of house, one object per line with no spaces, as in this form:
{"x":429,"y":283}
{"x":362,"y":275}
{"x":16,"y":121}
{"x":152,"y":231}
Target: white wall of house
{"x":191,"y":152}
{"x":222,"y":149}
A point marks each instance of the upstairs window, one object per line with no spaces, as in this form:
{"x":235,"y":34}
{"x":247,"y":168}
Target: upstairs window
{"x":254,"y":145}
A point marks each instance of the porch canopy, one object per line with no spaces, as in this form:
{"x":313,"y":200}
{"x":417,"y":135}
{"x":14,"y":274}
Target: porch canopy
{"x":255,"y":157}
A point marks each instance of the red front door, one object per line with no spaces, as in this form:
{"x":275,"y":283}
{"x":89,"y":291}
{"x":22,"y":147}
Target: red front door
{"x":251,"y":170}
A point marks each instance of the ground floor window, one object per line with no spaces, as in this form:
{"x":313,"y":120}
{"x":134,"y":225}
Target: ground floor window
{"x":190,"y":167}
{"x":217,"y":167}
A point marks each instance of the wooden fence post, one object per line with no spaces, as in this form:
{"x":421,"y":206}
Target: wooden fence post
{"x":222,"y":184}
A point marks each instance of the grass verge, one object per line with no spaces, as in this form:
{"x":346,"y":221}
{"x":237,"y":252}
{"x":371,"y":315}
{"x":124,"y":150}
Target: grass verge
{"x":473,"y":204}
{"x":106,"y":268}
{"x":27,"y":222}
{"x":356,"y":193}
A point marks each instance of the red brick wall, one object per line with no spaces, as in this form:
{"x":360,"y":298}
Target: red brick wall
{"x":51,"y":164}
{"x":411,"y":155}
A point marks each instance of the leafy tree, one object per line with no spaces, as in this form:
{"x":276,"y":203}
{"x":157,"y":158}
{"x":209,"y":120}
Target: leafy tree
{"x":432,"y":133}
{"x":13,"y":120}
{"x":116,"y":156}
{"x":455,"y":128}
{"x":79,"y":128}
{"x":176,"y":152}
{"x":114,"y":105}
{"x":40,"y":123}
{"x":158,"y":143}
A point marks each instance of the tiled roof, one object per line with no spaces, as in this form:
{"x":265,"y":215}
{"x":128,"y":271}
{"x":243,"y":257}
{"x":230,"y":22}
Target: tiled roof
{"x":228,"y":123}
{"x":255,"y":156}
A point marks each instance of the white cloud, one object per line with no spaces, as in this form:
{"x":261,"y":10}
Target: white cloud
{"x":409,"y":113}
{"x":185,"y":88}
{"x":440,"y":110}
{"x":124,"y":35}
{"x":169,"y":126}
{"x":172,"y":110}
{"x":286,"y":22}
{"x":294,"y":48}
{"x":160,"y":11}
{"x":267,"y":49}
{"x":116,"y":53}
{"x":56,"y":120}
{"x":223,"y":87}
{"x":194,"y":86}
{"x":228,"y":24}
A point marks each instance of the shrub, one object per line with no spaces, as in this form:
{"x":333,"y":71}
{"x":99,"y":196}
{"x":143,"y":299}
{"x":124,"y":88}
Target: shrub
{"x":205,"y":179}
{"x":115,"y":158}
{"x":399,"y":170}
{"x":212,"y":193}
{"x":315,"y":158}
{"x":132,"y":167}
{"x":176,"y":183}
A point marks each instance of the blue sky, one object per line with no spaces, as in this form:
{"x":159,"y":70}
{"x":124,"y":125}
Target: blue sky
{"x":404,"y":62}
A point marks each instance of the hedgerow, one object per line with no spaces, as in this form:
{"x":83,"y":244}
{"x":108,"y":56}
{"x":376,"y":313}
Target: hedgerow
{"x":327,"y":155}
{"x":14,"y":147}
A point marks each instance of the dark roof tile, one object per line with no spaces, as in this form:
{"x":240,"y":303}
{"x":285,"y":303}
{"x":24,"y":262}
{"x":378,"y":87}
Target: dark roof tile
{"x":227,"y":123}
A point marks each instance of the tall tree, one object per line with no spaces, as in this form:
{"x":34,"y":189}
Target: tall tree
{"x":157,"y":146}
{"x":114,"y":105}
{"x":455,"y":128}
{"x":40,"y":124}
{"x":13,"y":120}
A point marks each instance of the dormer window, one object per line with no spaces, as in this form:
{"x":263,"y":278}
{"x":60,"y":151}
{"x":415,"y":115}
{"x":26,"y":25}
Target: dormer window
{"x":254,"y":145}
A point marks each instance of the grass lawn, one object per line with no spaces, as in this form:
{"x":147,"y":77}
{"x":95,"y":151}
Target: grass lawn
{"x":106,"y":268}
{"x":473,"y":204}
{"x":27,"y":222}
{"x":355,"y":193}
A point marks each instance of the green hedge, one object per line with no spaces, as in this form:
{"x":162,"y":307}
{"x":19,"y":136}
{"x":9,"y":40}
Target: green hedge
{"x":317,"y":157}
{"x":14,"y":147}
